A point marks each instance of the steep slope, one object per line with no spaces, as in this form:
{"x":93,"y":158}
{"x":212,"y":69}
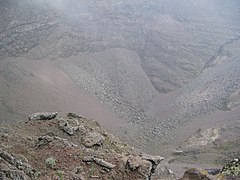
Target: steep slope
{"x":116,"y":78}
{"x":210,"y":92}
{"x":127,"y":55}
{"x":28,"y":85}
{"x":174,"y":39}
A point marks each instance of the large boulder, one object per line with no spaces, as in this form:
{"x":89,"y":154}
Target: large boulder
{"x":42,"y":116}
{"x":155,"y":160}
{"x":143,"y":164}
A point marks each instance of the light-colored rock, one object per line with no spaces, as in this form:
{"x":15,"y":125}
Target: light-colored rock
{"x":71,"y":130}
{"x":104,"y":163}
{"x":65,"y":127}
{"x":154,"y":159}
{"x":87,"y":159}
{"x":92,"y":139}
{"x":42,"y":116}
{"x":202,"y":137}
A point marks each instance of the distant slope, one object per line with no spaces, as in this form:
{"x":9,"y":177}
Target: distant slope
{"x":202,"y":102}
{"x":28,"y":86}
{"x":116,"y":78}
{"x":174,"y":39}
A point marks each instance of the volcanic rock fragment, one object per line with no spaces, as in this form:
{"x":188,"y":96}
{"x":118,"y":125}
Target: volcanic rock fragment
{"x":42,"y":116}
{"x":103,"y":163}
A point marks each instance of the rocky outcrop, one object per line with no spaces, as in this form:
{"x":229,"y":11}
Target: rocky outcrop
{"x":68,"y":129}
{"x":14,"y":168}
{"x":135,"y":163}
{"x":46,"y":140}
{"x":202,"y":137}
{"x":72,"y":127}
{"x":69,"y":148}
{"x":144,"y":164}
{"x":42,"y":116}
{"x":155,"y":160}
{"x":7,"y":171}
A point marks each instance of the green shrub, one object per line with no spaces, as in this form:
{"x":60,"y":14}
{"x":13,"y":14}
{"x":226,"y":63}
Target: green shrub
{"x":50,"y":162}
{"x":60,"y":174}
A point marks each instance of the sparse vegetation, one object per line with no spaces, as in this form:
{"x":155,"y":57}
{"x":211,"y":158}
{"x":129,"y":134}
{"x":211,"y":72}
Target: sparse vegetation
{"x":50,"y":162}
{"x":60,"y":174}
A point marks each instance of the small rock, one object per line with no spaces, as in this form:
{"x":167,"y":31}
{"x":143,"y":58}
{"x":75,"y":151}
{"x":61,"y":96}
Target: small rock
{"x":70,"y":130}
{"x":92,"y":139}
{"x":65,"y":127}
{"x":79,"y":170}
{"x":87,"y":159}
{"x":29,"y":138}
{"x":103,"y":163}
{"x":43,"y":141}
{"x":94,"y":176}
{"x":178,"y":152}
{"x":213,"y":171}
{"x":154,"y":159}
{"x":42,"y":116}
{"x":73,"y":115}
{"x":105,"y":169}
{"x":194,"y":174}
